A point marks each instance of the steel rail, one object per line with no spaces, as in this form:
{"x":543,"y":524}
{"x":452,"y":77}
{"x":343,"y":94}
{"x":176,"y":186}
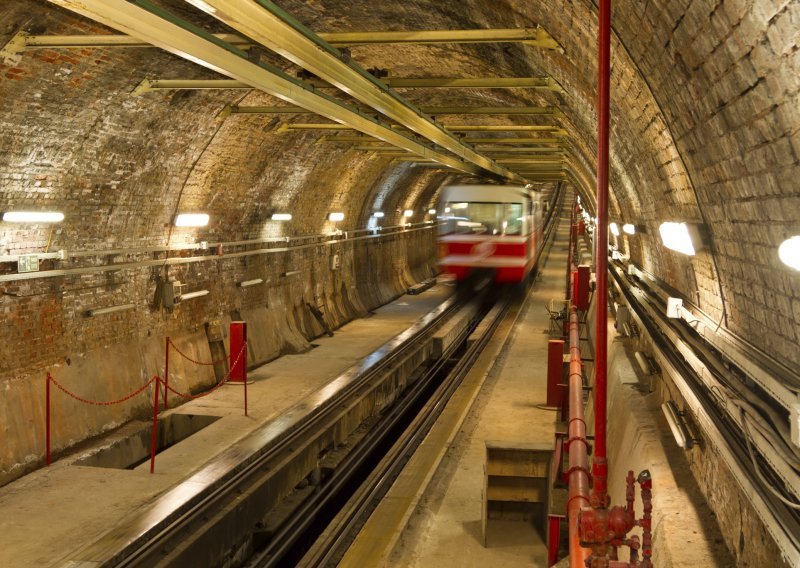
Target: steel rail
{"x":720,"y":429}
{"x":272,"y":27}
{"x":289,"y":533}
{"x":144,"y":538}
{"x":189,"y":42}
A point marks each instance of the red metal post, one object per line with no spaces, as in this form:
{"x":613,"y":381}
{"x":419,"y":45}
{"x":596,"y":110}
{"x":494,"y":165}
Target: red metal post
{"x":553,"y":537}
{"x":154,"y":433}
{"x":166,"y":373}
{"x":599,"y":461}
{"x":555,"y":374}
{"x":578,"y":462}
{"x":238,"y":352}
{"x":47,"y":419}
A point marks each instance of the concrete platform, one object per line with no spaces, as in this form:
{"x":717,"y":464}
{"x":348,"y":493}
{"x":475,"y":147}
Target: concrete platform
{"x":49,"y":514}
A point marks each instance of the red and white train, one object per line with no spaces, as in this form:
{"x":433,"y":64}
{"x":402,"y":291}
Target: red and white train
{"x":495,"y":228}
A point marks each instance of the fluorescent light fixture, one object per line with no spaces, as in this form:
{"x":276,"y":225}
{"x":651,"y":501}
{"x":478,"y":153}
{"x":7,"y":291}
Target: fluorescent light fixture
{"x":408,"y":213}
{"x":33,"y":217}
{"x":614,"y":229}
{"x":431,"y":211}
{"x":248,"y":283}
{"x":109,"y":310}
{"x":291,"y":273}
{"x":447,"y":210}
{"x":677,"y":425}
{"x":281,"y":216}
{"x":336,"y":216}
{"x":678,"y":237}
{"x":789,"y":252}
{"x":195,"y":294}
{"x":191,"y":220}
{"x":378,"y":214}
{"x":629,"y":229}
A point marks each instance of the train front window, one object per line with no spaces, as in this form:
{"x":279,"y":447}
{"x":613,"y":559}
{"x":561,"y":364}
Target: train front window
{"x":477,"y":218}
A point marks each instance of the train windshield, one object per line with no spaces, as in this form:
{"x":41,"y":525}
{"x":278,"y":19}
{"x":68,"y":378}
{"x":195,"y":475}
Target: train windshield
{"x":478,"y":218}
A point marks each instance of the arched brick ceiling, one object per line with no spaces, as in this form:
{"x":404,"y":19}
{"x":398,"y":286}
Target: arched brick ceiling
{"x":705,"y":120}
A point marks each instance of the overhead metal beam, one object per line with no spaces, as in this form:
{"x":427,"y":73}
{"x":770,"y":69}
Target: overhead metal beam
{"x":513,"y":140}
{"x":275,"y":29}
{"x":547,"y":83}
{"x":523,"y":150}
{"x":178,"y":37}
{"x":439,"y":110}
{"x":554,"y":130}
{"x":537,"y":37}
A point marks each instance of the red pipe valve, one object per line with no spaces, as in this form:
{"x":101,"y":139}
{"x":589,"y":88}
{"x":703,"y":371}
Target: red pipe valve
{"x":604,"y":530}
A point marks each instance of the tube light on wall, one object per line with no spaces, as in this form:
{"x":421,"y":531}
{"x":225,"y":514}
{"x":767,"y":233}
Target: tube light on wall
{"x":191,"y":220}
{"x":680,"y":237}
{"x":629,"y":229}
{"x":195,"y":294}
{"x":248,"y":283}
{"x":33,"y":216}
{"x":281,"y":216}
{"x":336,"y":216}
{"x":109,"y":310}
{"x":789,"y":252}
{"x":378,"y":214}
{"x":614,"y":229}
{"x":408,"y":213}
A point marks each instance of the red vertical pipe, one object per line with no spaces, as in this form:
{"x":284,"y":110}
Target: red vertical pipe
{"x":166,"y":373}
{"x":599,"y":462}
{"x":47,"y":419}
{"x":154,"y":433}
{"x":578,"y":462}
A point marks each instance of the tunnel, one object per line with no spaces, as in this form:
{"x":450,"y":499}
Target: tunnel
{"x":218,"y":216}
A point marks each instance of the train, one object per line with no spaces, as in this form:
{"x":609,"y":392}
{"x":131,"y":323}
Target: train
{"x":493,"y":229}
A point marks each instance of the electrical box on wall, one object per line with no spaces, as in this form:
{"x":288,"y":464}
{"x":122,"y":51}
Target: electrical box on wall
{"x":170,"y":293}
{"x":336,"y":261}
{"x":28,"y":263}
{"x":674,"y":306}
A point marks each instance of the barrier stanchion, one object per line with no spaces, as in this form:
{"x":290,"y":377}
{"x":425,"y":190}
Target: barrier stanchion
{"x":154,"y":433}
{"x":166,"y":373}
{"x":47,"y":419}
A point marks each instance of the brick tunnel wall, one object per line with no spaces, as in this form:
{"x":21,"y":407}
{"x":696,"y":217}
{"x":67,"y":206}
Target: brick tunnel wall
{"x":120,"y":167}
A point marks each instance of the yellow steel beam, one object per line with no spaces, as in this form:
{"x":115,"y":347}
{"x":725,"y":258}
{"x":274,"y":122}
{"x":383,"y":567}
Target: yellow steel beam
{"x":523,"y":150}
{"x":554,"y":130}
{"x":513,"y":140}
{"x":454,"y":110}
{"x":547,"y":83}
{"x":178,"y":38}
{"x":275,"y":29}
{"x":537,"y":37}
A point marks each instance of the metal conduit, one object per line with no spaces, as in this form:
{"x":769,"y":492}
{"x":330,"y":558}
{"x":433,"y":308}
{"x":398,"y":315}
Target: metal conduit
{"x":578,"y":460}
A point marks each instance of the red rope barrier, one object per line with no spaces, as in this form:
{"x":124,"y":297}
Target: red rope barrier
{"x":185,"y":356}
{"x":101,"y":402}
{"x":216,"y":386}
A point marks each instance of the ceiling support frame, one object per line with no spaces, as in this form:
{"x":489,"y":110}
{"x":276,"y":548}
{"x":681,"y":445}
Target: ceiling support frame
{"x":188,"y":42}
